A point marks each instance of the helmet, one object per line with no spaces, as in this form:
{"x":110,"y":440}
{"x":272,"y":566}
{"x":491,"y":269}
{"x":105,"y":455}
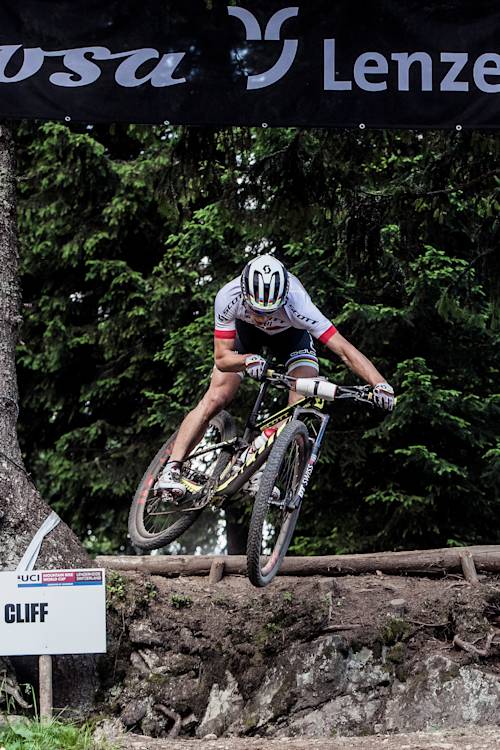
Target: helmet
{"x":264,"y":284}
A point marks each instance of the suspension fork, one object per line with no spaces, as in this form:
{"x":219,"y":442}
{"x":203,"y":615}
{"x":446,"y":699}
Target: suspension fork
{"x":252,"y":419}
{"x":316,"y":447}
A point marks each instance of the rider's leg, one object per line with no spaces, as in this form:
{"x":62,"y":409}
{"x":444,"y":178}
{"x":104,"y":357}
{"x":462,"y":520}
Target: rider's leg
{"x":299,"y":355}
{"x":302,"y":362}
{"x":221,"y":391}
{"x":304,"y":371}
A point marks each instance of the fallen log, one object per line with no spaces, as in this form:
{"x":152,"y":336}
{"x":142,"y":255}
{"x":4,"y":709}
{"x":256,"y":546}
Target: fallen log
{"x":414,"y":562}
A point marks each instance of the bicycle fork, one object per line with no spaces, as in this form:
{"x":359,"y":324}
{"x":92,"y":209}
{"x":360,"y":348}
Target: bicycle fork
{"x":325,"y":418}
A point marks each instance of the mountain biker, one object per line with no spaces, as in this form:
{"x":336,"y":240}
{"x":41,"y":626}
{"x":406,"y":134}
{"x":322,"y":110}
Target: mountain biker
{"x":265,"y":306}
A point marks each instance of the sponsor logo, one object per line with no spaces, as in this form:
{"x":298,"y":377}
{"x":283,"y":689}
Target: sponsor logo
{"x":306,"y":477}
{"x":421,"y":71}
{"x":60,"y":578}
{"x":302,"y":317}
{"x":29,"y":577}
{"x":224,"y":315}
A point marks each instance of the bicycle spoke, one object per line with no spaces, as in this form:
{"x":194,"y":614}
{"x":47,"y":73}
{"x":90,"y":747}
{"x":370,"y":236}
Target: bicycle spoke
{"x":161,"y":512}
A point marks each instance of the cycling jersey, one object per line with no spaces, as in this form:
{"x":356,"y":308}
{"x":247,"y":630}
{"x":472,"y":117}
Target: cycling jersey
{"x":298,"y":312}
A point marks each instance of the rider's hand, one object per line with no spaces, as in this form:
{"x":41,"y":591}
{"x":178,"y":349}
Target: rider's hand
{"x":383,"y":396}
{"x":255,"y":366}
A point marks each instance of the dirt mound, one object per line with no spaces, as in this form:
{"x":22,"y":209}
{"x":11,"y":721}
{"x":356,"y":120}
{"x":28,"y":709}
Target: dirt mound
{"x":306,"y":657}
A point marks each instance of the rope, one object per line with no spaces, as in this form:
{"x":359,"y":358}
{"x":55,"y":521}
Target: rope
{"x":29,"y":558}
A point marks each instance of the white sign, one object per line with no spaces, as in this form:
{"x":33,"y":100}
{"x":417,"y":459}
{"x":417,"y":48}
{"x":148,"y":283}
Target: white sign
{"x":52,"y":612}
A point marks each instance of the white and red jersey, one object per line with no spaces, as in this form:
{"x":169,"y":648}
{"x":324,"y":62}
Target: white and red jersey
{"x":298,"y":312}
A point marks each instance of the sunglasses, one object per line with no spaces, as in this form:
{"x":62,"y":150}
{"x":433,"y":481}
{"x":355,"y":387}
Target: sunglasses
{"x":262,"y":313}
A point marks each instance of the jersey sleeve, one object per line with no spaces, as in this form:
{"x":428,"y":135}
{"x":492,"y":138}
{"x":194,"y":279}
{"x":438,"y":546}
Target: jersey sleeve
{"x":225,"y":320}
{"x":304,"y":314}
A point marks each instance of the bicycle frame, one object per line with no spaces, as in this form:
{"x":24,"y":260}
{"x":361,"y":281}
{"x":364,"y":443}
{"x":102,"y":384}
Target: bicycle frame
{"x":307,"y":405}
{"x":234,"y":476}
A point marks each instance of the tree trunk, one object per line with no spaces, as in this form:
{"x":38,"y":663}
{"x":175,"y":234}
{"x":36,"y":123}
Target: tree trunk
{"x":22,"y":510}
{"x":413,"y":562}
{"x":236,"y":531}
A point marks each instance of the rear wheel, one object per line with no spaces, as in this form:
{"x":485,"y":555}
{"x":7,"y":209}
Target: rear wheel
{"x":154,"y":522}
{"x":274,"y":516}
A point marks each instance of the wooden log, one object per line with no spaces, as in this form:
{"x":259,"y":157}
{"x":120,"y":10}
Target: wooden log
{"x":413,"y":562}
{"x":468,"y":566}
{"x":216,"y":570}
{"x":45,"y":685}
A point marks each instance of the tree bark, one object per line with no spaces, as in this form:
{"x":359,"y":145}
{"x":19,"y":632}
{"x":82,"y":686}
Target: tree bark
{"x":236,"y":531}
{"x":22,"y":510}
{"x":413,"y":562}
{"x":10,"y":299}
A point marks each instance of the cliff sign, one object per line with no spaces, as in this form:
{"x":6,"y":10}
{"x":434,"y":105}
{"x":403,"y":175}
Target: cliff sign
{"x":52,"y":612}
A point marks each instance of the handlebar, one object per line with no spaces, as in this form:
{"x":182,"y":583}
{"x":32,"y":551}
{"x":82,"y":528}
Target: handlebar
{"x":321,"y":388}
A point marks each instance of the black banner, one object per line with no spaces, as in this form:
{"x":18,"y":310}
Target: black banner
{"x":333,"y":63}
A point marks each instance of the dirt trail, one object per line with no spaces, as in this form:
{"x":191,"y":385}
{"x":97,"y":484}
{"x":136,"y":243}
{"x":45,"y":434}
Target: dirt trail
{"x":472,"y":738}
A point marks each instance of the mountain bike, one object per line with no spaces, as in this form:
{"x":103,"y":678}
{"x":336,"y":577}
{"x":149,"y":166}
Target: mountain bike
{"x":220,"y":468}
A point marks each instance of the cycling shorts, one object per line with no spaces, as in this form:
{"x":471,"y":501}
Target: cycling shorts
{"x":292,"y":348}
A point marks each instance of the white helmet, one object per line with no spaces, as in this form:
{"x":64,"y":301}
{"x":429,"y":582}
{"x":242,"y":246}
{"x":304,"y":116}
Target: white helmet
{"x":264,"y":284}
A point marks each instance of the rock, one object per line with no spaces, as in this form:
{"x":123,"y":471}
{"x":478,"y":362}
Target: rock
{"x":442,"y":693}
{"x":107,"y":731}
{"x":142,"y":633}
{"x":210,"y":736}
{"x":224,"y":706}
{"x":9,"y":719}
{"x":135,"y":711}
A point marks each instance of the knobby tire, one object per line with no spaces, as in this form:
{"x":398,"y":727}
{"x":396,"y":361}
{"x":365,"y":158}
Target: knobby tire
{"x":139,"y":535}
{"x":261,"y":568}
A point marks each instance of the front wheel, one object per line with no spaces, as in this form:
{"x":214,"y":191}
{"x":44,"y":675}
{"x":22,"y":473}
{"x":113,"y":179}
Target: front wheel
{"x":154,"y":522}
{"x":275,"y":510}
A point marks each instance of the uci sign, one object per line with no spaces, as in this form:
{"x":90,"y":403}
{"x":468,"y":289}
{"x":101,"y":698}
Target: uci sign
{"x":52,"y":612}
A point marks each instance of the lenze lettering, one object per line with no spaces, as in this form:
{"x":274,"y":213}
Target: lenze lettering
{"x":27,"y":612}
{"x":413,"y":70}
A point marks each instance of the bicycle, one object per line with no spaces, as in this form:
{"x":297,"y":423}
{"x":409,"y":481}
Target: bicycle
{"x":222,"y":464}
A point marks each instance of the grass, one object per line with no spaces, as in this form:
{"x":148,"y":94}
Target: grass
{"x":54,"y":735}
{"x":179,"y":601}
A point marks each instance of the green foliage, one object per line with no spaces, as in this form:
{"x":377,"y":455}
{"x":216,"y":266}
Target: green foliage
{"x":180,"y":601}
{"x":115,"y":588}
{"x":127,"y":233}
{"x":36,"y":735}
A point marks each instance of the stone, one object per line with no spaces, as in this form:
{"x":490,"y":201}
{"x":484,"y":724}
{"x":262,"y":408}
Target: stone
{"x":224,"y":706}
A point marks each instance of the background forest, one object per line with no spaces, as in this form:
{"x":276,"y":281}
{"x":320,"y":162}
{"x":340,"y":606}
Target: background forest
{"x":126,"y":235}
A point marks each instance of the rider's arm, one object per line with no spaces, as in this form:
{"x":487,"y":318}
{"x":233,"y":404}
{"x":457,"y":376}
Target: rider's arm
{"x":226,"y":359}
{"x":353,"y":358}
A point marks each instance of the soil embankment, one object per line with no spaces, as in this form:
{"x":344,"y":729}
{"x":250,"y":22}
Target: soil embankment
{"x":304,"y":658}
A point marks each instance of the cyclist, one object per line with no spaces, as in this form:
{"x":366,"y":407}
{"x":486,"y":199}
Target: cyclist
{"x":265,"y":306}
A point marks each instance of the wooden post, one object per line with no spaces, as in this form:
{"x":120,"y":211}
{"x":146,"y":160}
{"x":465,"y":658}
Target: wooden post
{"x":45,"y":685}
{"x":468,"y":566}
{"x":216,"y":571}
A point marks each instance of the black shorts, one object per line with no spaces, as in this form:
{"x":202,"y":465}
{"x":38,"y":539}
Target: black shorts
{"x":292,"y":348}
